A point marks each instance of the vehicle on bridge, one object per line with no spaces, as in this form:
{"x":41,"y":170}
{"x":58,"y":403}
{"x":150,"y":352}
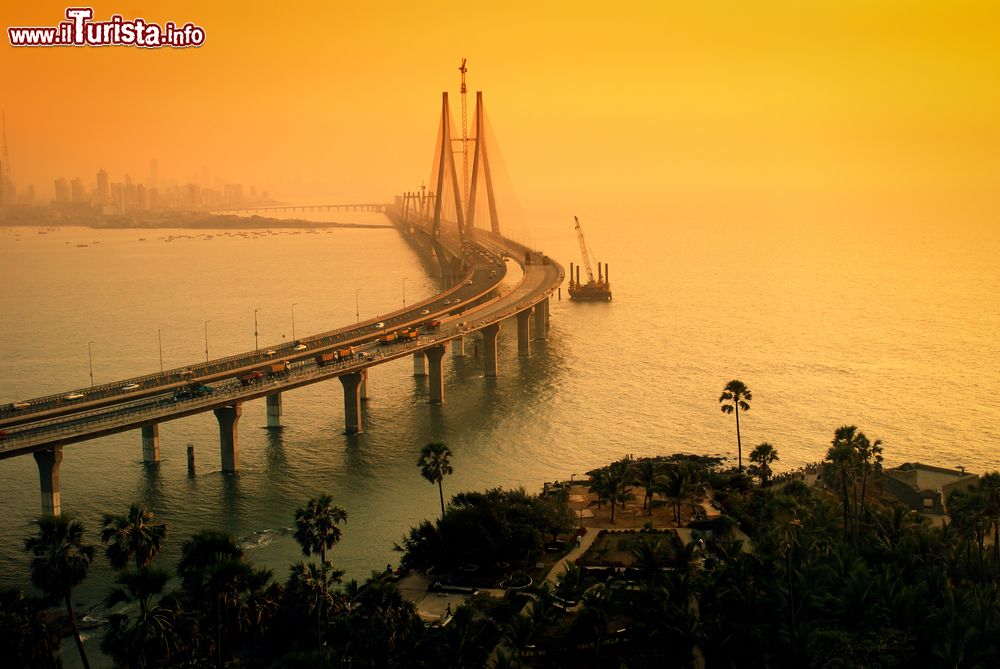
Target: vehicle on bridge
{"x":386,"y":339}
{"x":192,"y":391}
{"x":345,"y":353}
{"x":324,"y":359}
{"x":251,"y":377}
{"x":278,"y":368}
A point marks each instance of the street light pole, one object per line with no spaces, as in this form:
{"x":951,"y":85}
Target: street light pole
{"x":206,"y":339}
{"x":159,"y":338}
{"x":256,"y":347}
{"x":357,"y":309}
{"x":90,"y":356}
{"x":404,"y":292}
{"x":293,"y":320}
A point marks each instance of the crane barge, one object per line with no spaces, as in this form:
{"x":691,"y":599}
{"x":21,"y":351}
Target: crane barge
{"x":593,"y":290}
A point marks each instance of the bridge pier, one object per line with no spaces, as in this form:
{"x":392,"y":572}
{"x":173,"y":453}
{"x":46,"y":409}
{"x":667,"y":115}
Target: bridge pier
{"x":229,"y":445}
{"x":352,"y":402}
{"x":419,"y":364}
{"x":150,"y":443}
{"x":363,"y":388}
{"x":490,"y":333}
{"x":458,"y":347}
{"x":48,"y":462}
{"x":273,"y":410}
{"x":523,"y":338}
{"x":541,"y":320}
{"x":434,"y":357}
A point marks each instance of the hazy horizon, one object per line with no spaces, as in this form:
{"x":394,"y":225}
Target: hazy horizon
{"x":651,"y":111}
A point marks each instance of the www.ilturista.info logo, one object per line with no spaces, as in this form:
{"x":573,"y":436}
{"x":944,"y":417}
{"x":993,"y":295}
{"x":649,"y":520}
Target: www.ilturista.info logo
{"x":80,"y":30}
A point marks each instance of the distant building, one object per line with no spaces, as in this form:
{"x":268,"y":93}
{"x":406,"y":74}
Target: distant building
{"x":62,"y":191}
{"x":78,"y":191}
{"x":926,"y":487}
{"x":103,"y":194}
{"x":234,"y":194}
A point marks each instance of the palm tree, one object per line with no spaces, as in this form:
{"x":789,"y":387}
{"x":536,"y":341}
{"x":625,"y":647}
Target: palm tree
{"x":435,"y":465}
{"x":60,"y":563}
{"x":228,"y":590}
{"x":762,"y":456}
{"x":152,"y":637}
{"x":675,"y":488}
{"x":314,"y":588}
{"x":316,"y":526}
{"x":870,"y":457}
{"x":647,"y":475}
{"x":133,"y":536}
{"x":736,"y":396}
{"x":843,"y":458}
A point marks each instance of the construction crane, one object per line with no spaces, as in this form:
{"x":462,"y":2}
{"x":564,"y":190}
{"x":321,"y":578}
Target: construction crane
{"x":583,"y":250}
{"x":592,"y":290}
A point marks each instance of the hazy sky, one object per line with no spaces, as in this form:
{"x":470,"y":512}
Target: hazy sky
{"x":867,"y":108}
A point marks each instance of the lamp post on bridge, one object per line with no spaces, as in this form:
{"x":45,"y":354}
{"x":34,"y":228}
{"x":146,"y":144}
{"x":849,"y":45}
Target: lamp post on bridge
{"x":404,"y":291}
{"x":90,"y":356}
{"x":293,"y":320}
{"x":357,"y":309}
{"x":206,"y":339}
{"x":256,"y":347}
{"x":159,"y":338}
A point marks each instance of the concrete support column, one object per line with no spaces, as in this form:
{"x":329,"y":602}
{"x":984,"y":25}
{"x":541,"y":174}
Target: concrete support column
{"x":434,"y":357}
{"x":48,"y":462}
{"x":363,"y":388}
{"x":541,"y":320}
{"x":458,"y":347}
{"x":523,"y":338}
{"x":150,"y":443}
{"x":273,"y":410}
{"x":352,"y":402}
{"x":419,"y":364}
{"x":490,"y":333}
{"x":229,"y":443}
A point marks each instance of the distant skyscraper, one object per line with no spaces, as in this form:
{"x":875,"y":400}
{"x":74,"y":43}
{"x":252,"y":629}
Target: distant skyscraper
{"x":78,"y":192}
{"x":103,"y":188}
{"x":62,"y":190}
{"x":8,"y":192}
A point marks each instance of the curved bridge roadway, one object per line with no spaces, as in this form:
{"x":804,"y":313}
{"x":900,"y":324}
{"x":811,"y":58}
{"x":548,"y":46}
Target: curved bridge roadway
{"x":42,"y":426}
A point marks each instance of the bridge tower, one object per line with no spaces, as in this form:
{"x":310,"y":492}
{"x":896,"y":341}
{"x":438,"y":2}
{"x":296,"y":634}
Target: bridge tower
{"x":481,"y":156}
{"x":446,"y":163}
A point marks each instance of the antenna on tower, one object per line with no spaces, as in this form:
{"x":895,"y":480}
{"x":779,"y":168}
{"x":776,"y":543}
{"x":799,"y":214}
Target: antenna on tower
{"x":465,"y":138}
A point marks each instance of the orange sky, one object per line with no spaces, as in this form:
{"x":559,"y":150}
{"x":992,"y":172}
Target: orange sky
{"x":656,"y":109}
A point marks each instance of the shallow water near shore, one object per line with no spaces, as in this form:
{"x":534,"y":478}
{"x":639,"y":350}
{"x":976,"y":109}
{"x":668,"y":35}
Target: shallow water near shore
{"x":899,"y":337}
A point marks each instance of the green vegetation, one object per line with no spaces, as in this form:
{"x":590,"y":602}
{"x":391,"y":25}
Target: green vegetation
{"x":791,"y":575}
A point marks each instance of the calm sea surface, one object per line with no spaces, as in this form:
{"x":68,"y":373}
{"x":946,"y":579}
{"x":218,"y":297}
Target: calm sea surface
{"x":894,"y":331}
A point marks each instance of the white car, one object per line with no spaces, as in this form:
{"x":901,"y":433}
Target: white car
{"x":447,"y":301}
{"x":468,"y":282}
{"x":74,"y":396}
{"x":300,"y":347}
{"x":380,"y":325}
{"x":131,"y":386}
{"x":456,"y":300}
{"x":424,"y":312}
{"x":270,"y":352}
